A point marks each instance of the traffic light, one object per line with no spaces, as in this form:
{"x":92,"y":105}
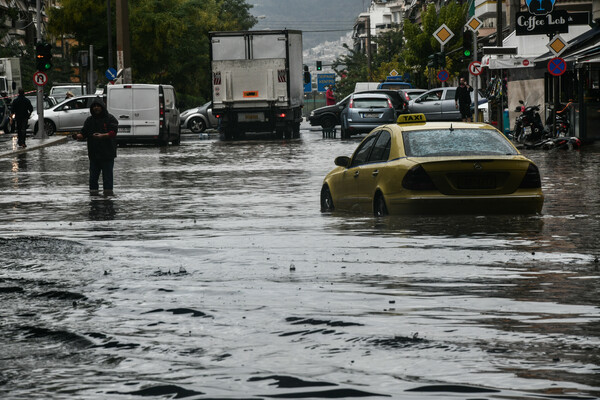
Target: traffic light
{"x":432,"y":63}
{"x":319,"y":65}
{"x":43,"y":56}
{"x":440,"y":58}
{"x":306,"y":75}
{"x":467,"y":46}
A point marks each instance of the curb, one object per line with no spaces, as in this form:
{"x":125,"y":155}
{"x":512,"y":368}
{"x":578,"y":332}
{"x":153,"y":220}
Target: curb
{"x":43,"y":143}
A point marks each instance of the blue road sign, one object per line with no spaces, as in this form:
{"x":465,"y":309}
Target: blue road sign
{"x":394,"y":78}
{"x":111,"y":74}
{"x":324,"y":80}
{"x":557,"y":66}
{"x":308,"y":86}
{"x":443,"y":75}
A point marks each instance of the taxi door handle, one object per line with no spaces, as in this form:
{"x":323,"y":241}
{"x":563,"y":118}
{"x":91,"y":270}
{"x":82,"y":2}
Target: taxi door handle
{"x":376,"y":172}
{"x":124,"y":116}
{"x":356,"y":174}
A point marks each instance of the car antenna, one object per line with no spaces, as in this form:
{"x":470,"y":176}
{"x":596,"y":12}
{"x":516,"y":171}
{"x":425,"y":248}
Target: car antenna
{"x":451,"y":128}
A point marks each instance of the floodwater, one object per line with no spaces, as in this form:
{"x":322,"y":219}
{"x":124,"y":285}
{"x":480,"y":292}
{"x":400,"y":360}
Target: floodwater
{"x":213,"y":274}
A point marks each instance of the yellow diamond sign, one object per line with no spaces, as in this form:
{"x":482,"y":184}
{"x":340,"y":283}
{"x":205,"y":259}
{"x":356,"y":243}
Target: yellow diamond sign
{"x":443,"y":34}
{"x":557,"y":45}
{"x":474,"y":24}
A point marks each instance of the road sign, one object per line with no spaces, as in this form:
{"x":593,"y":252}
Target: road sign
{"x":557,"y":45}
{"x":111,"y":74}
{"x":474,"y":24}
{"x":475,"y":68}
{"x":443,"y":34}
{"x":557,"y":66}
{"x":324,"y":80}
{"x":443,"y":75}
{"x":308,"y":85}
{"x":393,"y":73}
{"x":40,"y":78}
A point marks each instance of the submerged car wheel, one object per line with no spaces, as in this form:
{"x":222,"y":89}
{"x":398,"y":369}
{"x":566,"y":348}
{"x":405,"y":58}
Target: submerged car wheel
{"x":197,"y":125}
{"x":379,"y":207}
{"x":326,"y":200}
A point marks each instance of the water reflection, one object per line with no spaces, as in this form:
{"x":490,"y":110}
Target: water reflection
{"x":102,"y":209}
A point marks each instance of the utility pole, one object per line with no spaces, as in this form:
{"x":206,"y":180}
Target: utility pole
{"x":369,"y":48}
{"x":109,"y":24}
{"x":499,"y":44}
{"x":41,"y":133}
{"x":123,"y":40}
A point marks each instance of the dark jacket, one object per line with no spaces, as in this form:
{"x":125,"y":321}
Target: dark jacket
{"x":101,"y":148}
{"x":22,"y":107}
{"x":463,"y":95}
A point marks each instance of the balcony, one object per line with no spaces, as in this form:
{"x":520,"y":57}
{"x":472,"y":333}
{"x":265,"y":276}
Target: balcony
{"x":485,"y":9}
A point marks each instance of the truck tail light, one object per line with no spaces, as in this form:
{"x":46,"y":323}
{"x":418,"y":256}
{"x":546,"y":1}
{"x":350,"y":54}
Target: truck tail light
{"x":281,"y":115}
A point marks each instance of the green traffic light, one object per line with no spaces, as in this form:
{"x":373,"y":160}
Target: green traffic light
{"x":467,"y":53}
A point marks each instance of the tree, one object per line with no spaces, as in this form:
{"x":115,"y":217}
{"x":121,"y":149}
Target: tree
{"x":169,"y":38}
{"x":351,"y":68}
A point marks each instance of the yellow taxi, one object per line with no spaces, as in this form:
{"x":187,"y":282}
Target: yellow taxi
{"x":415,"y":167}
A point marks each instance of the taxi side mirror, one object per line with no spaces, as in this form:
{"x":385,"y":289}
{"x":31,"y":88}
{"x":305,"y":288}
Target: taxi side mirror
{"x":342,"y":161}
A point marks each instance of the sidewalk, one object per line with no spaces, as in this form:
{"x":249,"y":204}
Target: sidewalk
{"x":9,"y":147}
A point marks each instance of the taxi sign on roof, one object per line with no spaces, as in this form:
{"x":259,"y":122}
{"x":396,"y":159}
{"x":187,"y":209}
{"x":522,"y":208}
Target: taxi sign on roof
{"x":411,"y":118}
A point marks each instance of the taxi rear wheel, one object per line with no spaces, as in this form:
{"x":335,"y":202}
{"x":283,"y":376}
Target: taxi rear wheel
{"x":326,"y":199}
{"x":379,"y":206}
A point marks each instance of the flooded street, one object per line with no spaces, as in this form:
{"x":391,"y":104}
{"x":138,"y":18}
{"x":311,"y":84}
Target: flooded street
{"x":213,"y":274}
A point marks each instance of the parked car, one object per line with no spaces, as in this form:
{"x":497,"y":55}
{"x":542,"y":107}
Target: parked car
{"x":419,"y":167}
{"x":365,"y":111}
{"x":439,"y":105}
{"x":410,"y":94}
{"x":67,"y":116}
{"x":329,"y":116}
{"x":199,"y":119}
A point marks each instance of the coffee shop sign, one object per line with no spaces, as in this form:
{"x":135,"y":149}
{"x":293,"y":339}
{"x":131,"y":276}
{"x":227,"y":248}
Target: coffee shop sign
{"x":530,"y":24}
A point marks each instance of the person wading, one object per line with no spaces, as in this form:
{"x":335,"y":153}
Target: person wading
{"x":100,"y":132}
{"x":22,"y":109}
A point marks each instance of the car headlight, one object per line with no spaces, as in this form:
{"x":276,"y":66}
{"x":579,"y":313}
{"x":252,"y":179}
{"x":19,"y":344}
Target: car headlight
{"x":312,"y":113}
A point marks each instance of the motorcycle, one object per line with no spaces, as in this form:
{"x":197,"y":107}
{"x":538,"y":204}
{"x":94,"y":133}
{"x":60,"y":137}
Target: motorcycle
{"x":528,"y":124}
{"x":562,"y":123}
{"x":556,"y":143}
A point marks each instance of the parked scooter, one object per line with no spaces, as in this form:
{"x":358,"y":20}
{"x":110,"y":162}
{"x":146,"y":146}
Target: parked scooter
{"x":528,"y":125}
{"x":562,"y":123}
{"x":556,"y":143}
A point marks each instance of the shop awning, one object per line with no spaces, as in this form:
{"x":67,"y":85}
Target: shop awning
{"x":584,"y":46}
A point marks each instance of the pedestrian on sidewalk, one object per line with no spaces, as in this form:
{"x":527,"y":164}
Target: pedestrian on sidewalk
{"x":329,"y":96}
{"x":22,"y":109}
{"x":462,"y":100}
{"x":100,"y":131}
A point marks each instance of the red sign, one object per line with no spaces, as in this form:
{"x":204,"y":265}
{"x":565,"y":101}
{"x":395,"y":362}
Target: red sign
{"x":475,"y":68}
{"x":525,"y":62}
{"x":443,"y":75}
{"x":40,"y":78}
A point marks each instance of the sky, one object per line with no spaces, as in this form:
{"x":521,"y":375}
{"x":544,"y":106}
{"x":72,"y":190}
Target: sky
{"x":320,"y":20}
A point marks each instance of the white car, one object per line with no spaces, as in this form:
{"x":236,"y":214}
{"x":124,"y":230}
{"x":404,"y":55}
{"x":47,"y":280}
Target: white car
{"x":67,"y":116}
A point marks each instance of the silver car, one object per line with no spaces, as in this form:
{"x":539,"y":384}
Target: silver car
{"x":439,"y":105}
{"x":366,"y":111}
{"x":67,"y":116}
{"x":199,"y":119}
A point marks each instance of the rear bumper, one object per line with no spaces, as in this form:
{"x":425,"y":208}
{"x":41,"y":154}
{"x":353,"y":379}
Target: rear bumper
{"x":510,"y":204}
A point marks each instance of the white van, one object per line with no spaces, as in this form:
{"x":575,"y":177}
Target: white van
{"x":146,"y":113}
{"x":59,"y":92}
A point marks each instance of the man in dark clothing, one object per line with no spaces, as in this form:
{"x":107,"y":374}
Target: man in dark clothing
{"x":22,"y":109}
{"x":462,"y":100}
{"x":100,"y":131}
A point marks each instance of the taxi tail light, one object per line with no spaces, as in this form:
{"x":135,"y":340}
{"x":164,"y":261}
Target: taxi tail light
{"x":532,"y":179}
{"x":417,"y":179}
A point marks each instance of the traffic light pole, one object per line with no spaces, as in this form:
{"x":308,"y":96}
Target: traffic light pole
{"x":41,"y":133}
{"x":476,"y":95}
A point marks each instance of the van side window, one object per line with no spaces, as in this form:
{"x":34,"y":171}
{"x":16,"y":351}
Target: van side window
{"x":169,"y":99}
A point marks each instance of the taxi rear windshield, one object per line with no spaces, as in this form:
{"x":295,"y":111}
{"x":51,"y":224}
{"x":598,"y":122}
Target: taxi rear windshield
{"x":456,"y":142}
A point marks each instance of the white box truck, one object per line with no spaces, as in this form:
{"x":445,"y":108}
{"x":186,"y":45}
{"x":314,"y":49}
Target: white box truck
{"x":257,"y":82}
{"x":10,"y":75}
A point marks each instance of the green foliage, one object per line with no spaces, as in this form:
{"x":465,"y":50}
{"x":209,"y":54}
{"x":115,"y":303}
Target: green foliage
{"x":352,"y":68}
{"x":169,"y":38}
{"x":407,"y":50}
